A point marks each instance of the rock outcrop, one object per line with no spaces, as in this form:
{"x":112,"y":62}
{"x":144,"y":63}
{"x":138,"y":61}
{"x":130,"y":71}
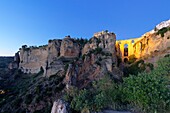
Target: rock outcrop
{"x":104,"y":40}
{"x":152,"y":43}
{"x":48,"y":57}
{"x":33,"y":59}
{"x":15,"y":63}
{"x":69,"y":48}
{"x":60,"y":106}
{"x":99,"y":59}
{"x":53,"y":58}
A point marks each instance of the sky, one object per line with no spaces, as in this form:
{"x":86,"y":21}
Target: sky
{"x":34,"y":22}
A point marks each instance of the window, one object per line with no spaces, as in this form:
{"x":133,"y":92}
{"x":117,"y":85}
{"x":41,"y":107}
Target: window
{"x":133,"y":41}
{"x":126,"y":50}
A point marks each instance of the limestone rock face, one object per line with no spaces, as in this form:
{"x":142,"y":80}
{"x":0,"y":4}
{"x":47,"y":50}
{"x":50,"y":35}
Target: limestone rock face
{"x":69,"y":48}
{"x":59,"y":106}
{"x":93,"y":67}
{"x":152,"y":43}
{"x":32,"y":59}
{"x":48,"y":57}
{"x":15,"y":63}
{"x":53,"y":50}
{"x":55,"y":67}
{"x":16,"y":57}
{"x":99,"y":59}
{"x":103,"y":40}
{"x":53,"y":57}
{"x":86,"y":48}
{"x":71,"y":76}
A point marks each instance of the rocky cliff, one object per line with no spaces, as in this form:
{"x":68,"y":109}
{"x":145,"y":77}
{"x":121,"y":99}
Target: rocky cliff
{"x":58,"y":54}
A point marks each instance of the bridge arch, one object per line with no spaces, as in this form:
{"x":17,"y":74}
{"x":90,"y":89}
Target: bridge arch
{"x":127,"y":47}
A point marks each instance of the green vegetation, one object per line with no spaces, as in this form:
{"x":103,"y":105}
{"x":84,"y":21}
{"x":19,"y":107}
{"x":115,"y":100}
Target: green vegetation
{"x":96,"y":51}
{"x":143,"y":92}
{"x":137,"y":67}
{"x":94,"y":99}
{"x":147,"y":92}
{"x":28,"y":90}
{"x":81,"y":41}
{"x":163,"y":30}
{"x":97,"y":40}
{"x":132,"y":59}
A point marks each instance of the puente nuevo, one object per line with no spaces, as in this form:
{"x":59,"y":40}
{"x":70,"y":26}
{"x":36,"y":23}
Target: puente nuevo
{"x":127,"y":48}
{"x":52,"y":58}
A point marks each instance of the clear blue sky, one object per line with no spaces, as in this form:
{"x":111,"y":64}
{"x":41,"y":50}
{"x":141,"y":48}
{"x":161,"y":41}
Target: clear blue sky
{"x":34,"y":22}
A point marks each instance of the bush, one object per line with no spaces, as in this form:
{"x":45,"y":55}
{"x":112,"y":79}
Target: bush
{"x":28,"y":99}
{"x":95,"y":99}
{"x":119,"y":60}
{"x":168,"y":55}
{"x":81,"y":101}
{"x":163,"y":30}
{"x":98,"y":50}
{"x":148,"y":92}
{"x":132,"y":59}
{"x":135,"y":68}
{"x":83,"y":57}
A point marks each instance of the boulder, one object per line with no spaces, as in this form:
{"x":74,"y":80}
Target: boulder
{"x":60,"y":106}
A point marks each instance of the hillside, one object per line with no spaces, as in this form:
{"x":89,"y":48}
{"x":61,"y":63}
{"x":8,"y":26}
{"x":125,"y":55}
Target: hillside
{"x":79,"y":75}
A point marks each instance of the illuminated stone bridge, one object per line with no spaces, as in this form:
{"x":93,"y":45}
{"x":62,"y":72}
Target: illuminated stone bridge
{"x":126,"y":48}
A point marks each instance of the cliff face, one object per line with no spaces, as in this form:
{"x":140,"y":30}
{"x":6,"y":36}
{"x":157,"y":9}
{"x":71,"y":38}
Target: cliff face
{"x":32,"y":59}
{"x":99,"y":59}
{"x":54,"y":57}
{"x":47,"y":57}
{"x":152,"y":43}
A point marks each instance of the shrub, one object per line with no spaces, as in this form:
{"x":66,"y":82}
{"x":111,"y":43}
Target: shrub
{"x":28,"y":99}
{"x":38,"y":89}
{"x":66,"y":67}
{"x":119,"y":60}
{"x":150,"y":65}
{"x":148,"y":92}
{"x":83,"y":57}
{"x":168,"y":55}
{"x":95,"y":99}
{"x":98,"y":63}
{"x":49,"y":41}
{"x":81,"y":101}
{"x":81,"y":41}
{"x":17,"y":102}
{"x":135,"y":68}
{"x":98,"y":50}
{"x":132,"y":59}
{"x":163,"y":30}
